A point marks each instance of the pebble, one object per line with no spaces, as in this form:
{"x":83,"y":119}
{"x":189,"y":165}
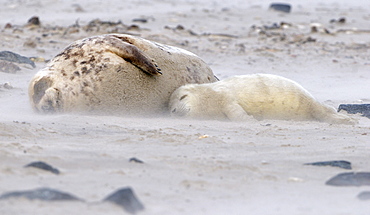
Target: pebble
{"x":281,"y":7}
{"x":350,"y":179}
{"x":7,"y":86}
{"x":126,"y":199}
{"x":365,"y":195}
{"x":43,"y":166}
{"x":34,"y":21}
{"x":135,"y":160}
{"x":340,"y":163}
{"x":44,"y":194}
{"x":8,"y":67}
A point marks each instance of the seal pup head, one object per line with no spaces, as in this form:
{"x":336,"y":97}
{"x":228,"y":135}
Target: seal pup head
{"x":181,"y":101}
{"x":199,"y":101}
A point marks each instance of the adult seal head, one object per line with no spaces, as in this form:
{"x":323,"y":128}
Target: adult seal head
{"x":259,"y":96}
{"x":115,"y":74}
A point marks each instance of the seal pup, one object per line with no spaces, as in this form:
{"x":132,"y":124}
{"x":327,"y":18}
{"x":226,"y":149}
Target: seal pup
{"x":259,"y":96}
{"x":115,"y":74}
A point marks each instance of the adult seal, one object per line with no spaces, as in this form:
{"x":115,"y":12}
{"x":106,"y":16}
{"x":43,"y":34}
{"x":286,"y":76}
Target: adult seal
{"x":115,"y":74}
{"x":259,"y":96}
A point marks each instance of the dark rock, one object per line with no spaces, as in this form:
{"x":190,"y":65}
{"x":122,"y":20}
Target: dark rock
{"x":44,"y":194}
{"x":135,"y":160}
{"x":8,"y":67}
{"x":341,"y":164}
{"x":350,"y":179}
{"x":364,"y":195}
{"x":34,"y":21}
{"x":16,"y":58}
{"x":272,"y":27}
{"x":126,"y":199}
{"x":281,"y":7}
{"x":7,"y":86}
{"x":356,"y":108}
{"x":44,"y":166}
{"x":142,"y":20}
{"x":341,"y":20}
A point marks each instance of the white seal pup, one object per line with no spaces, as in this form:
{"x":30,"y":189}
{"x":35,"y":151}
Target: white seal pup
{"x":262,"y":96}
{"x":115,"y":74}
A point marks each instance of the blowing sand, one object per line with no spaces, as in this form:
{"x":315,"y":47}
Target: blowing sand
{"x":192,"y":167}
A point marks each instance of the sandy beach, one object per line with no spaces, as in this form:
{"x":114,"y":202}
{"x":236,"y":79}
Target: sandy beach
{"x":192,"y":166}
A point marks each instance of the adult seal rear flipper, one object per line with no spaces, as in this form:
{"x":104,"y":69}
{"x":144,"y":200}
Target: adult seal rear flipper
{"x":123,"y":47}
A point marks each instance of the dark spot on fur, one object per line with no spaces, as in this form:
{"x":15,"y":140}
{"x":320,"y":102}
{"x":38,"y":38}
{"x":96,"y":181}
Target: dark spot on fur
{"x":84,"y":70}
{"x":83,"y":62}
{"x":74,"y":62}
{"x":76,"y":73}
{"x":98,"y":41}
{"x":85,"y":84}
{"x":63,"y":72}
{"x":92,"y":59}
{"x":78,"y":53}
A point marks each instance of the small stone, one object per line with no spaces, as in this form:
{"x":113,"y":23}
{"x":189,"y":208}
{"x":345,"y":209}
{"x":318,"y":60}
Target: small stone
{"x":295,"y":179}
{"x":135,"y":160}
{"x":38,"y":59}
{"x":44,"y":166}
{"x":342,"y":20}
{"x":126,"y":199}
{"x":44,"y":194}
{"x":203,"y":136}
{"x":340,"y":163}
{"x":364,"y":195}
{"x":142,"y":20}
{"x":350,"y":179}
{"x":30,"y":44}
{"x":8,"y":67}
{"x":34,"y":21}
{"x":8,"y":86}
{"x":78,"y":8}
{"x":281,"y":7}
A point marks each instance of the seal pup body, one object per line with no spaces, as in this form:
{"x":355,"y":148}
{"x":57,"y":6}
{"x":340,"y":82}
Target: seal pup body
{"x":115,"y":74}
{"x":260,"y":96}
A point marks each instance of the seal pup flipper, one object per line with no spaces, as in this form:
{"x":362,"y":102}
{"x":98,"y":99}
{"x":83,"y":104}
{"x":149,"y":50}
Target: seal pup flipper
{"x":324,"y":113}
{"x":131,"y":53}
{"x":235,"y":112}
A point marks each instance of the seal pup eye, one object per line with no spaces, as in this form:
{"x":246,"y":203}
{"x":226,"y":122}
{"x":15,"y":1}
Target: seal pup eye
{"x":182,"y":97}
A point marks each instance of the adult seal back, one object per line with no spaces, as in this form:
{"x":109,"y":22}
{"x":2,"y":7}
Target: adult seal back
{"x":115,"y":74}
